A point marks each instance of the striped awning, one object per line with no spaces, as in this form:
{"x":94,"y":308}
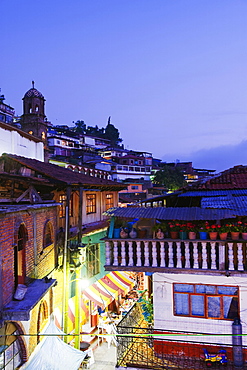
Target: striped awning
{"x":99,"y":295}
{"x":108,"y":288}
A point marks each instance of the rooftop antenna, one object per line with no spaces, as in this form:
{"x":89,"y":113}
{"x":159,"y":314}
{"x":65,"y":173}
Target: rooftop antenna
{"x":33,"y":84}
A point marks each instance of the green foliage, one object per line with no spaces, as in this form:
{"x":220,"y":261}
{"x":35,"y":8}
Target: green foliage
{"x":148,"y":308}
{"x":170,"y":177}
{"x":110,"y":132}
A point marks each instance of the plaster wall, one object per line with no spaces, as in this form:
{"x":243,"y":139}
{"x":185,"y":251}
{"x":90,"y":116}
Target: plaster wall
{"x":165,"y":319}
{"x":12,"y":142}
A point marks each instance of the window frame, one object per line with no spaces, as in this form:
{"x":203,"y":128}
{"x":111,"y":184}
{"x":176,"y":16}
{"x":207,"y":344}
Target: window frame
{"x":62,"y":201}
{"x":90,"y":203}
{"x":206,"y":300}
{"x":109,"y":201}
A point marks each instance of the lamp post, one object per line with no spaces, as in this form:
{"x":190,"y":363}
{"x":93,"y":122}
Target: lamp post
{"x":77,"y":258}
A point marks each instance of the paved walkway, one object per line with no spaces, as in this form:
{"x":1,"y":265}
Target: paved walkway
{"x":104,"y":357}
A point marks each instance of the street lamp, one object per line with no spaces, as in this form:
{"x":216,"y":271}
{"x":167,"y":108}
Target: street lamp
{"x":77,"y":259}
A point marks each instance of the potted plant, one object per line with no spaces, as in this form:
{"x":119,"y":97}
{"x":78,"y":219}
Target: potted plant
{"x":192,"y":228}
{"x":235,"y":229}
{"x":213,"y":231}
{"x":174,"y":227}
{"x":223,"y":231}
{"x":183,"y":231}
{"x":244,"y":230}
{"x":203,"y":230}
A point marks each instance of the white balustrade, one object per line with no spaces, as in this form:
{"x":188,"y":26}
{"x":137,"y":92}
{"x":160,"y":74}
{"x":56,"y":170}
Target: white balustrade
{"x":107,"y":253}
{"x":240,"y":257}
{"x":179,"y":255}
{"x":204,"y":255}
{"x":187,"y":255}
{"x":146,"y":254}
{"x":162,"y":253}
{"x":170,"y":254}
{"x":138,"y":253}
{"x":213,"y":256}
{"x":115,"y":253}
{"x":230,"y":256}
{"x":123,"y":253}
{"x":195,"y":256}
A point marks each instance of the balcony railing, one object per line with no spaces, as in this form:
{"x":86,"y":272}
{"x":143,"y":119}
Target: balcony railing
{"x":169,"y":254}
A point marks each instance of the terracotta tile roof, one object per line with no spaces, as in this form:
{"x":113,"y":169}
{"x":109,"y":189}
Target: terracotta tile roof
{"x":62,"y":175}
{"x":233,"y":178}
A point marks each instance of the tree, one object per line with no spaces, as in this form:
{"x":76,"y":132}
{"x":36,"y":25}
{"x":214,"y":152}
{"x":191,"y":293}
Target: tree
{"x":170,"y":177}
{"x":112,"y":133}
{"x":80,"y":127}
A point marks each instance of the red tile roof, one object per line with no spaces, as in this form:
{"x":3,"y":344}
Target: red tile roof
{"x":62,"y":175}
{"x":233,"y":178}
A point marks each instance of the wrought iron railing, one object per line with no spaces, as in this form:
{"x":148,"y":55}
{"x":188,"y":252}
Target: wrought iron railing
{"x":147,"y":348}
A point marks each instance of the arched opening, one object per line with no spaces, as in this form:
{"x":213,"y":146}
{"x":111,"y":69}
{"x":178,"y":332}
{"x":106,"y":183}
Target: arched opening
{"x":13,"y":350}
{"x":43,"y":135}
{"x":36,"y":108}
{"x":20,"y":256}
{"x":48,"y":234}
{"x":30,"y":108}
{"x":42,"y":318}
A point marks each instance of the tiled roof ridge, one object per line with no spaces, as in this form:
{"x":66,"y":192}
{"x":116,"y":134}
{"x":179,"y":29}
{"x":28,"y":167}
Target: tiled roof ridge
{"x":63,"y":174}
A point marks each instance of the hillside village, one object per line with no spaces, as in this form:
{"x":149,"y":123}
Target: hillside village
{"x":90,"y":243}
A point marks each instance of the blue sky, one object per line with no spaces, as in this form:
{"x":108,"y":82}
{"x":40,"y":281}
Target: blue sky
{"x":170,"y":73}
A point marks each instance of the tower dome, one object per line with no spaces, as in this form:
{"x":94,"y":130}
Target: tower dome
{"x":33,"y":93}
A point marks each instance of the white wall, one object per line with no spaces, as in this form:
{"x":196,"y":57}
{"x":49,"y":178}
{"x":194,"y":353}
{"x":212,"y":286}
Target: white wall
{"x":166,"y":320}
{"x":12,"y":142}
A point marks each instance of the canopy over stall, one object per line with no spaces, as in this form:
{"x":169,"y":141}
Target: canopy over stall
{"x":53,"y":353}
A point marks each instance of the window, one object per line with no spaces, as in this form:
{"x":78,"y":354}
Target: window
{"x":30,"y":132}
{"x":48,"y":235}
{"x":62,"y":201}
{"x":93,"y":259}
{"x":36,"y":108}
{"x":11,"y":349}
{"x":206,"y":301}
{"x":91,"y":203}
{"x":109,"y":201}
{"x":43,"y":135}
{"x":134,"y":187}
{"x":131,"y":168}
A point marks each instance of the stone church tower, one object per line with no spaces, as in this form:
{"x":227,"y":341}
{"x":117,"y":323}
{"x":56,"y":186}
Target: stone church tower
{"x":33,"y":120}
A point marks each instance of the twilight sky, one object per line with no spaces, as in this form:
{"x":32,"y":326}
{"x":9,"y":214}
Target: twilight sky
{"x":172,"y":74}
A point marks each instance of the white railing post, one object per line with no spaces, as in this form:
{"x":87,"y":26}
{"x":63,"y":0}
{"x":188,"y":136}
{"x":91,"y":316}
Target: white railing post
{"x":222,"y":261}
{"x":240,"y":257}
{"x":179,"y":255}
{"x":187,"y":255}
{"x":154,"y":252}
{"x":107,"y":253}
{"x":213,"y":256}
{"x":146,"y":254}
{"x":195,"y":255}
{"x":138,"y":253}
{"x":170,"y":255}
{"x":131,"y":261}
{"x":162,"y":254}
{"x":123,"y":253}
{"x":230,"y":256}
{"x":115,"y":253}
{"x":204,"y":255}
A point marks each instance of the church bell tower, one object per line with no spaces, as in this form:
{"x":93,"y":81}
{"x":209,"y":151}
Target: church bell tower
{"x":33,"y":120}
